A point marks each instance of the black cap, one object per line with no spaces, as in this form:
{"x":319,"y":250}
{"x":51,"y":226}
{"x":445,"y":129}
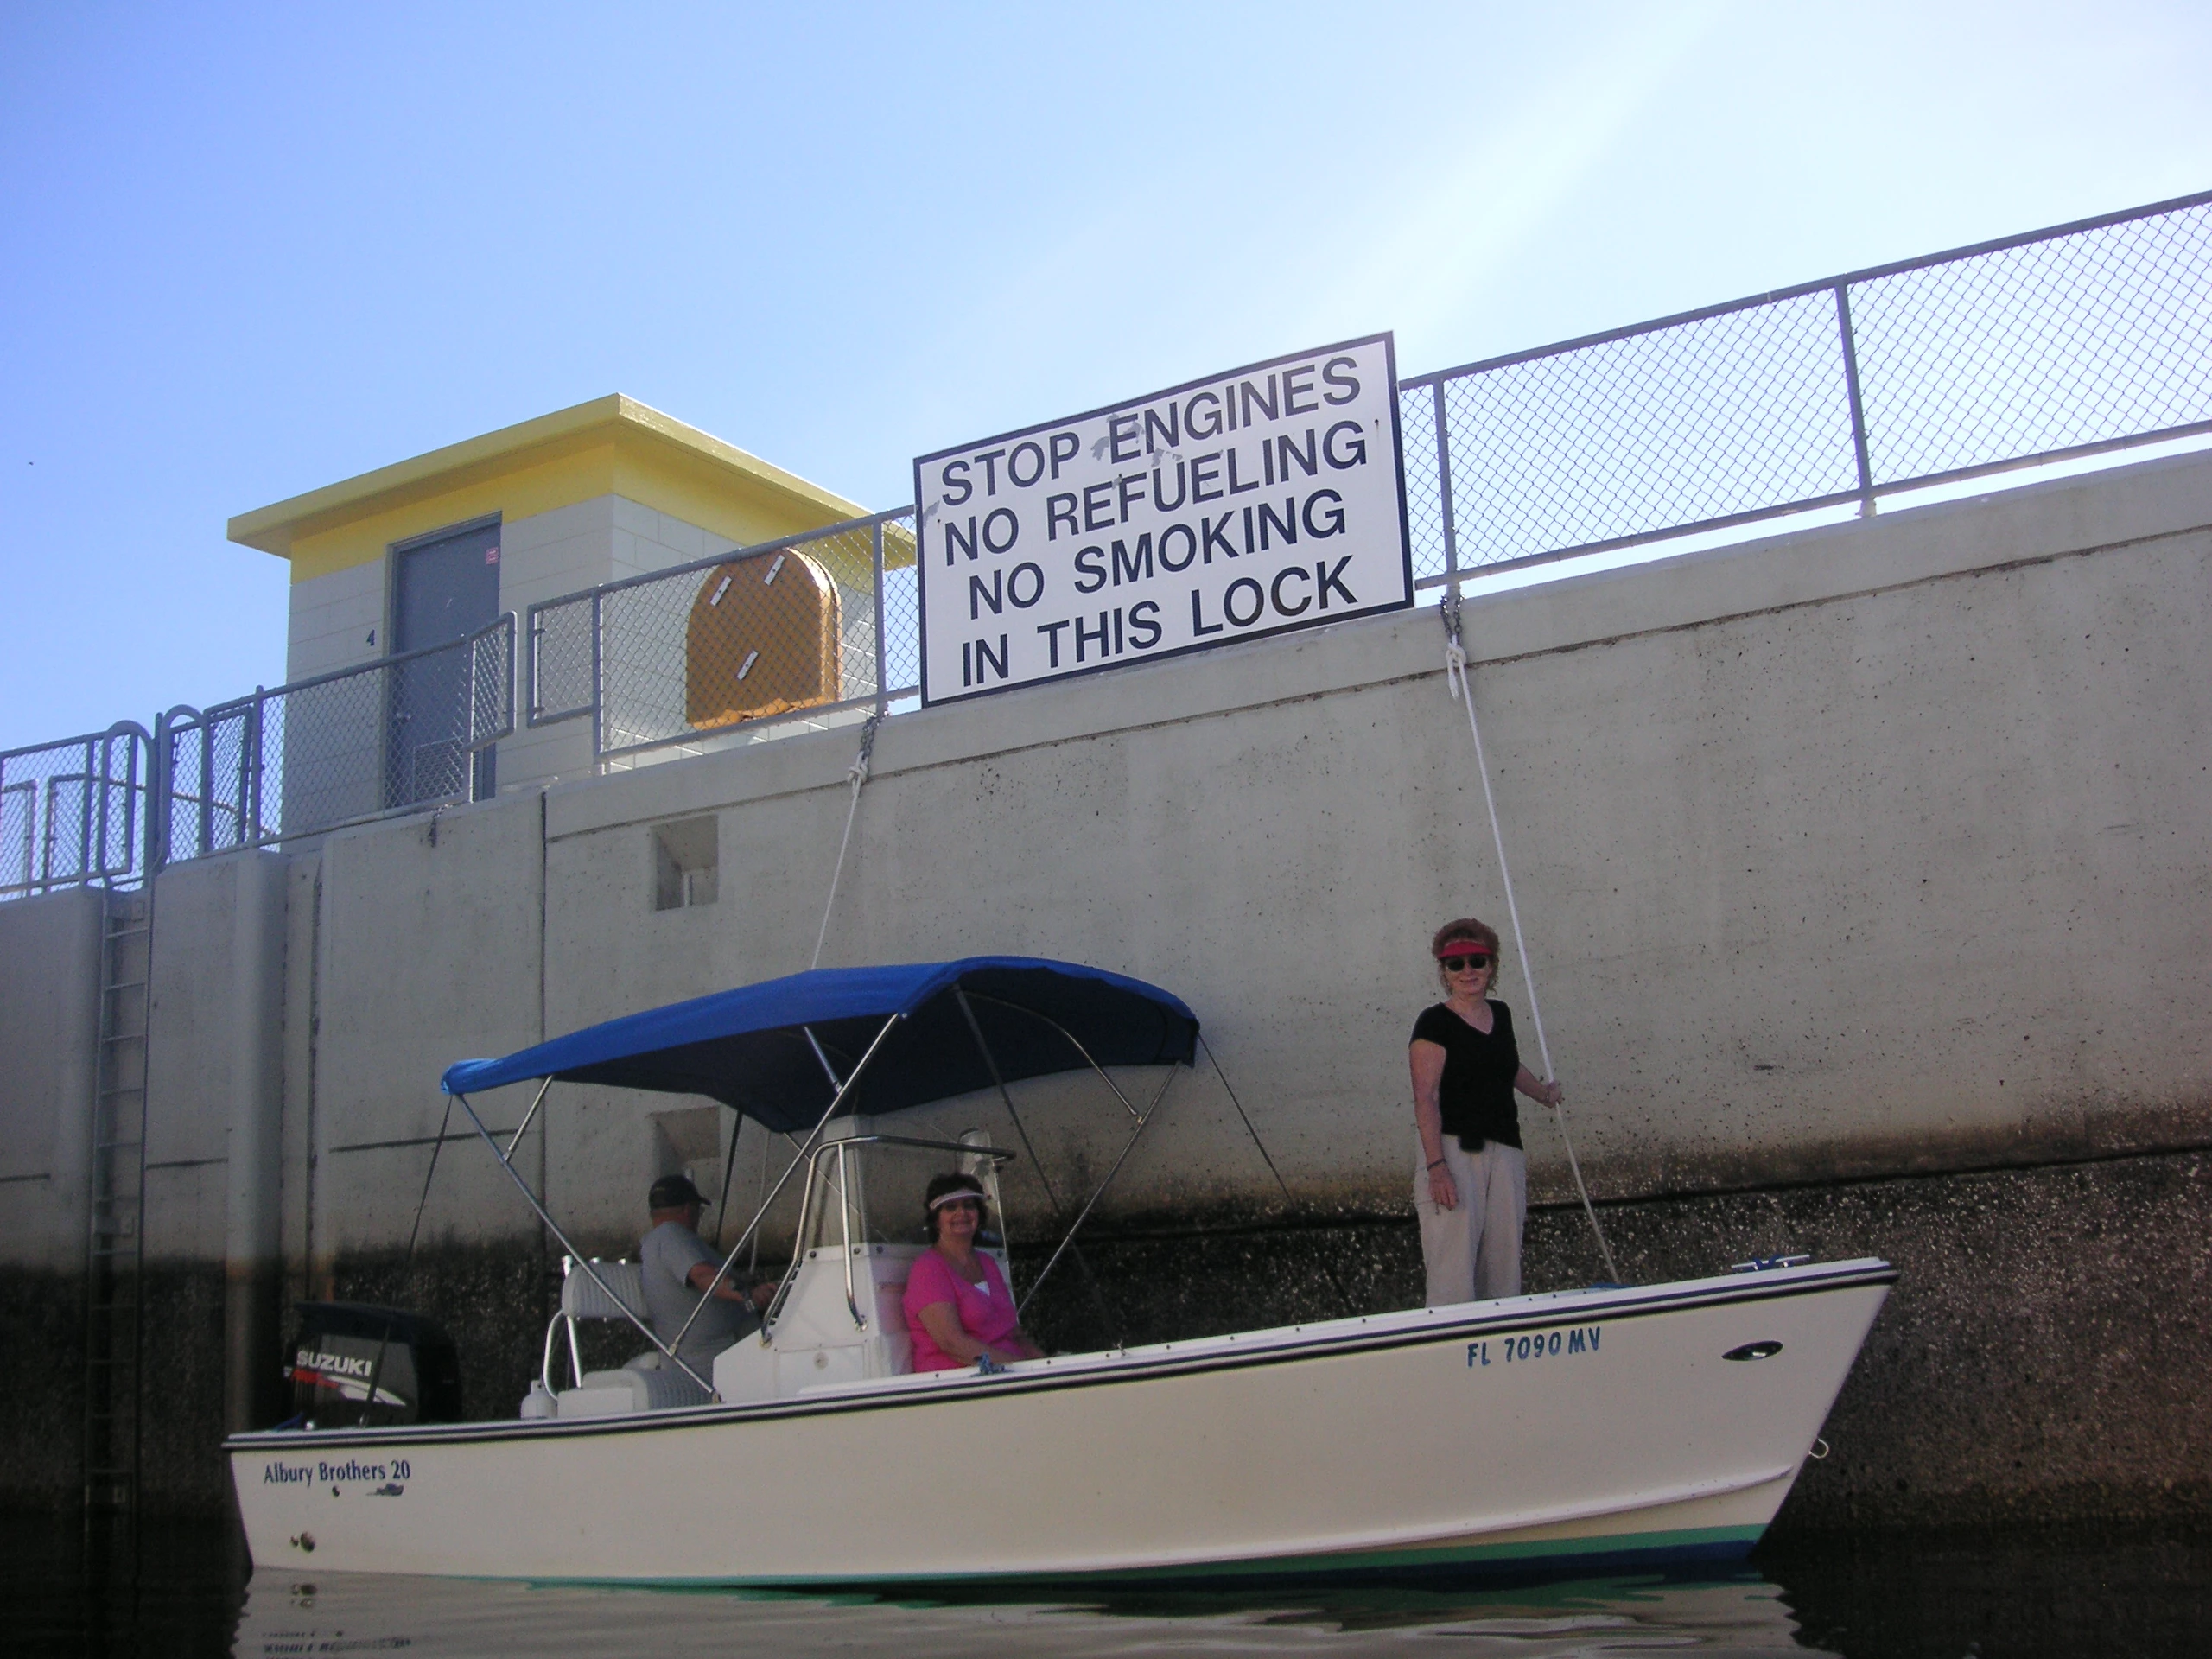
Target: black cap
{"x":671,"y":1191}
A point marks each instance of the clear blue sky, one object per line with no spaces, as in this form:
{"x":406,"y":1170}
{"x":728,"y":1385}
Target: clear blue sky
{"x":251,"y":251}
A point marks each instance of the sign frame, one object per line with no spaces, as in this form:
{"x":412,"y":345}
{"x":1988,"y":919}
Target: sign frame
{"x":1314,"y":617}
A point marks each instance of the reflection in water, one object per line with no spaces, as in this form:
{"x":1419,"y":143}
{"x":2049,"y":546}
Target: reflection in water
{"x":288,"y":1615}
{"x":173,"y":1589}
{"x":184,"y":1591}
{"x":2142,"y":1592}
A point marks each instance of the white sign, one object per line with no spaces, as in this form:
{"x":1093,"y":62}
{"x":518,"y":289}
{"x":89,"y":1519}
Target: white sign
{"x":1256,"y":502}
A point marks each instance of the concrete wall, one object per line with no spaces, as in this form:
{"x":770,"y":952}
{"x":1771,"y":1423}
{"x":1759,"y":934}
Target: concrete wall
{"x":196,"y":1073}
{"x":1880,"y":846}
{"x":1873,"y":854}
{"x":427,"y":950}
{"x":49,"y":1032}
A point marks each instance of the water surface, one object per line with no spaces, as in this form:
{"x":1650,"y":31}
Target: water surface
{"x":1941,"y":1595}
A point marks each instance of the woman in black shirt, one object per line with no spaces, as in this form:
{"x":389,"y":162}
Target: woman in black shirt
{"x":1473,"y":1189}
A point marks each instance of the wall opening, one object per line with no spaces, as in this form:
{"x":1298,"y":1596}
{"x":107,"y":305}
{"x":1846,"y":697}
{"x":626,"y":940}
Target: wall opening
{"x":687,"y":857}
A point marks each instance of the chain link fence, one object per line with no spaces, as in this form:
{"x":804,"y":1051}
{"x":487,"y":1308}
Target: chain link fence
{"x":2066,"y":342}
{"x":2062,"y":343}
{"x":786,"y":635}
{"x":394,"y":735}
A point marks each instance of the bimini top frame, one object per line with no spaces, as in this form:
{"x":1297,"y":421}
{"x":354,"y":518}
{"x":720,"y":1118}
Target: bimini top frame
{"x":805,"y":1049}
{"x":774,"y":1051}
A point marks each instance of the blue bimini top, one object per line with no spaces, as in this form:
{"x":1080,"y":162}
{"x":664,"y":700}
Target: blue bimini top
{"x":748,"y":1047}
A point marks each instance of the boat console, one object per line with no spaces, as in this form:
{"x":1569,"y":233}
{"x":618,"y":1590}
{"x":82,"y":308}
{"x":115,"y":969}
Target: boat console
{"x":838,"y":1316}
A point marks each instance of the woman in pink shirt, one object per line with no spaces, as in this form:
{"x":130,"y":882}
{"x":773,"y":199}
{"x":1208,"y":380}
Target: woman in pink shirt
{"x":958,"y":1306}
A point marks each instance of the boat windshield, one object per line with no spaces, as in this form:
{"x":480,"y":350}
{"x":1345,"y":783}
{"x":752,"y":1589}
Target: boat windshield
{"x":870,"y":1189}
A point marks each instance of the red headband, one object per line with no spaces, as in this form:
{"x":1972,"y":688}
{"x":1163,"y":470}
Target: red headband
{"x":1464,"y":948}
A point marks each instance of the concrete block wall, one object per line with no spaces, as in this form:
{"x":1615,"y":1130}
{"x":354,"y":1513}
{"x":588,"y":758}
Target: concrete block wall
{"x":333,"y":739}
{"x":608,"y":538}
{"x":338,"y":622}
{"x":543,"y":557}
{"x":644,"y":689}
{"x":646,"y":539}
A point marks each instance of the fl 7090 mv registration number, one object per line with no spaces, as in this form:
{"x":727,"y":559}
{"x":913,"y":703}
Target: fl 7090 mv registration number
{"x":1533,"y":1346}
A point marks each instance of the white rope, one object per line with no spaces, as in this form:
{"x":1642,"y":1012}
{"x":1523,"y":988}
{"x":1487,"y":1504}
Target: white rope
{"x":1460,"y":685}
{"x":855,"y":775}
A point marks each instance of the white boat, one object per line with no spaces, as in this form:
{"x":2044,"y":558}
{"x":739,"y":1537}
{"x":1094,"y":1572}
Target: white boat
{"x":1569,"y":1431}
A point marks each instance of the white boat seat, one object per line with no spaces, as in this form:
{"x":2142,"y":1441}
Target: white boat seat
{"x":582,"y":1299}
{"x":648,"y":1383}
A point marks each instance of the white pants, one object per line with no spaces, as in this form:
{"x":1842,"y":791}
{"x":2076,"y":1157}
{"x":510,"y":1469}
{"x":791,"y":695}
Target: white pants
{"x":1473,"y":1252}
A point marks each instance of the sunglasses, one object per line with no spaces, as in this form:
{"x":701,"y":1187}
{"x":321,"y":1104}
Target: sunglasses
{"x":977,"y":1205}
{"x":1462,"y":964}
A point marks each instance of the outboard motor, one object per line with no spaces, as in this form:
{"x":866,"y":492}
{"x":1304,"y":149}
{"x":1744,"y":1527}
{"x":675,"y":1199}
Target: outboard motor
{"x":356,"y":1364}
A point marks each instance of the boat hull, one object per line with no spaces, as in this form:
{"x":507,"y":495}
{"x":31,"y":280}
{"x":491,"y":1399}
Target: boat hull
{"x":1570,"y":1431}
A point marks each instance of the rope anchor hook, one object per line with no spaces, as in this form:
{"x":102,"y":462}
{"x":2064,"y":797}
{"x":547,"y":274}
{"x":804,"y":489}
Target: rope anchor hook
{"x":856,"y":775}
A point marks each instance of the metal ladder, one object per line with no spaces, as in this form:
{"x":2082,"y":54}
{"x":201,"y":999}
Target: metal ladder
{"x":116,"y":1253}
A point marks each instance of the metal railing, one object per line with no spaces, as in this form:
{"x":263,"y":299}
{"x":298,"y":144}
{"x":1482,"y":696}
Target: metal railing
{"x":396,"y":734}
{"x":74,"y":813}
{"x":775,"y":637}
{"x":391,"y":736}
{"x":2083,"y":338}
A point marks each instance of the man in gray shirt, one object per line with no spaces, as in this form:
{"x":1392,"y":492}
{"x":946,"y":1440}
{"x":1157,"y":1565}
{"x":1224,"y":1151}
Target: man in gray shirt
{"x":681,"y":1271}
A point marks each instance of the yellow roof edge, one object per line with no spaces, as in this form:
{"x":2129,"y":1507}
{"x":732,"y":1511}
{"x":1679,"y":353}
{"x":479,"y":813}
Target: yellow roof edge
{"x":617,"y":417}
